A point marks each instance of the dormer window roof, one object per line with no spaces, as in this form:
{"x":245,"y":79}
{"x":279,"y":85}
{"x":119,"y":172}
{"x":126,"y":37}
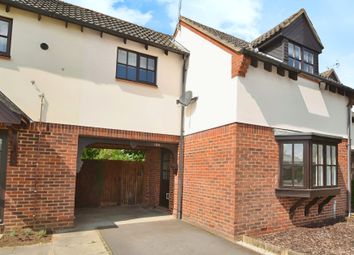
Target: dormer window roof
{"x":285,"y":26}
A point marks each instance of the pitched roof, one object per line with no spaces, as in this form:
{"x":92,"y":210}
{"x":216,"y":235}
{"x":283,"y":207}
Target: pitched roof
{"x":97,"y":21}
{"x":223,"y":38}
{"x":10,"y":113}
{"x":281,"y":26}
{"x":330,"y":74}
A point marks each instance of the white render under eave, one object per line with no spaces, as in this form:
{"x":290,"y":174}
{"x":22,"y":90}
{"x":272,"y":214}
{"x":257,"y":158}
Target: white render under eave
{"x":267,"y":99}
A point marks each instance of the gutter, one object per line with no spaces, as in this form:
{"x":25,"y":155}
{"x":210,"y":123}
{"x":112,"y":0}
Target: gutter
{"x":349,"y":151}
{"x":181,"y":141}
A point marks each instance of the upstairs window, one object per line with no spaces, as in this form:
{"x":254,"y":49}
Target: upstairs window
{"x":135,"y":66}
{"x":5,"y":36}
{"x":300,"y":58}
{"x":308,"y":61}
{"x":294,"y":54}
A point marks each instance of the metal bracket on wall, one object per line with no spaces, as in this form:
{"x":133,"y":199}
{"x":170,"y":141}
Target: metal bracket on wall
{"x":296,"y":205}
{"x":310,"y":204}
{"x":324,"y":203}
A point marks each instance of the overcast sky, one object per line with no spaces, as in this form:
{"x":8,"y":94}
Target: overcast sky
{"x":333,"y":20}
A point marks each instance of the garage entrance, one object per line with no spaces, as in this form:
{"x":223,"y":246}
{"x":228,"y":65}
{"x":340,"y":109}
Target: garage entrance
{"x":116,"y":173}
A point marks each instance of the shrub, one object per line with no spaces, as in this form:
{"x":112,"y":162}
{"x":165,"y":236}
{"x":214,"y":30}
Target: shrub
{"x":13,"y":233}
{"x":42,"y":233}
{"x":27,"y":232}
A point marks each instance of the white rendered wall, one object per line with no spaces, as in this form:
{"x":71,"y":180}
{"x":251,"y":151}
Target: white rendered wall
{"x":209,"y":78}
{"x":267,"y":99}
{"x":77,"y":77}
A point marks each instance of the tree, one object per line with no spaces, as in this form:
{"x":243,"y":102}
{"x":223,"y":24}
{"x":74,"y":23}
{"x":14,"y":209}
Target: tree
{"x":112,"y":154}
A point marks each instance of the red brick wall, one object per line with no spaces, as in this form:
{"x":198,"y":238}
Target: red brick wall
{"x":258,"y":210}
{"x":152,"y":179}
{"x":209,"y":179}
{"x":231,"y":174}
{"x":40,"y":190}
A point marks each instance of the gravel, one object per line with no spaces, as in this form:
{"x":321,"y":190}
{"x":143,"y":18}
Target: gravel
{"x":337,"y":239}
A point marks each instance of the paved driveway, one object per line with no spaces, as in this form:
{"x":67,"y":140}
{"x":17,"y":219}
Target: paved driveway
{"x":167,"y":236}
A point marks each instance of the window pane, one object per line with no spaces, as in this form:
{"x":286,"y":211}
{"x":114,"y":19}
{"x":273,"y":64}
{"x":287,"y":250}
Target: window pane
{"x":122,"y":56}
{"x":334,"y":155}
{"x":143,"y":61}
{"x":297,"y":64}
{"x":308,"y":57}
{"x":328,"y":176}
{"x":291,"y":62}
{"x":315,"y":176}
{"x":287,"y":176}
{"x":297,"y":52}
{"x":298,"y":153}
{"x":142,"y":75}
{"x":287,"y":153}
{"x":3,"y":44}
{"x":334,"y":175}
{"x":314,"y":154}
{"x":131,"y":73}
{"x":150,"y":77}
{"x":131,"y":59}
{"x":291,"y":50}
{"x":320,"y":154}
{"x":151,"y":64}
{"x":122,"y":71}
{"x":4,"y":28}
{"x":310,"y":69}
{"x":320,"y":175}
{"x":299,"y":176}
{"x":328,"y":155}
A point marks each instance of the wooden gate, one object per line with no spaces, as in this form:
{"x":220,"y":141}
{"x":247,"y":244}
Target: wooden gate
{"x":107,"y":183}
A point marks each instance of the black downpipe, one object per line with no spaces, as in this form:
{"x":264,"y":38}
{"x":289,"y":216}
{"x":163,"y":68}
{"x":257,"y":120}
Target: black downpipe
{"x":181,"y":142}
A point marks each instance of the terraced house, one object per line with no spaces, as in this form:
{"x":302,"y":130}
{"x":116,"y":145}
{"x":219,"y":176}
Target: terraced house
{"x":239,"y":137}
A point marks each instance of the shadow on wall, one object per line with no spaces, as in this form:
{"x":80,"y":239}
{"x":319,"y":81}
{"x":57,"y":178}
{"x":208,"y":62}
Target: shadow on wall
{"x":280,"y":102}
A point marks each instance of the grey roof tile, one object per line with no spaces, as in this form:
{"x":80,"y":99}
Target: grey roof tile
{"x":98,"y":21}
{"x":218,"y":35}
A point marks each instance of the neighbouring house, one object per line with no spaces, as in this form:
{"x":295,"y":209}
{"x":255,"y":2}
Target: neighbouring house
{"x":261,"y":147}
{"x":266,"y":144}
{"x":73,"y":78}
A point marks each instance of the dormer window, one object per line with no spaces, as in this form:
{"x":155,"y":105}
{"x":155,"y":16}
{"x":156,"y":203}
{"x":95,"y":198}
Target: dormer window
{"x":294,"y":54}
{"x":300,"y":58}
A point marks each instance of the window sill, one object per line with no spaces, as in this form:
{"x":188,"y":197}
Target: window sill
{"x":307,"y":193}
{"x":4,"y":56}
{"x":137,"y":82}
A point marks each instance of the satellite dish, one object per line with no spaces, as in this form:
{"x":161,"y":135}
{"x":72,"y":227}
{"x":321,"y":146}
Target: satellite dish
{"x":186,"y":98}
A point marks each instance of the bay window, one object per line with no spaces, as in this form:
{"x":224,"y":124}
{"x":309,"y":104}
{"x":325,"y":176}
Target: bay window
{"x":308,"y":165}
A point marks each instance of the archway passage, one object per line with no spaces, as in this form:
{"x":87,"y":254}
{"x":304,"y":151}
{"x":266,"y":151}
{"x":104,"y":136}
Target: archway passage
{"x":119,"y":174}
